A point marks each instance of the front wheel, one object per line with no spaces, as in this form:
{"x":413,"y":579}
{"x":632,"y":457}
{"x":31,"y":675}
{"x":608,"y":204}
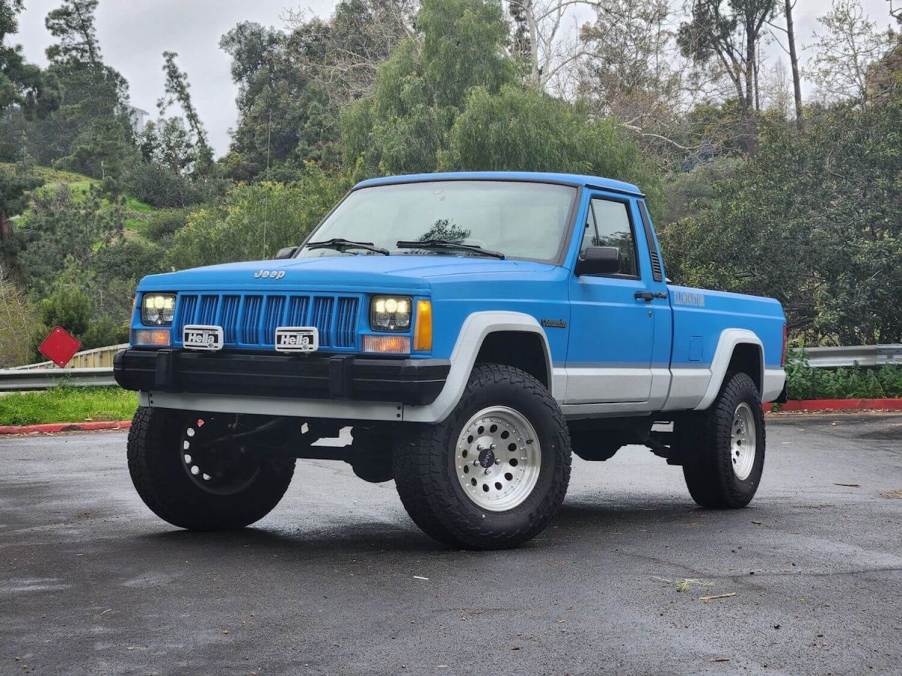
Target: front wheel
{"x":723,"y":465}
{"x":194,"y":471}
{"x":493,"y":474}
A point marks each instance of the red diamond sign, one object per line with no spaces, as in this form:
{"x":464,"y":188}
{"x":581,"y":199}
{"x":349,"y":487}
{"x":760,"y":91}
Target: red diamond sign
{"x":59,"y":346}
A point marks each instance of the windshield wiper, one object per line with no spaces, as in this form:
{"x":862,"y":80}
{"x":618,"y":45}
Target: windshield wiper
{"x":448,"y":244}
{"x":340,"y":244}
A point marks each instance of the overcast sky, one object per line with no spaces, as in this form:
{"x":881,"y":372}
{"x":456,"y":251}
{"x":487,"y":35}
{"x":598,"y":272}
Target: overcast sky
{"x":134,"y":33}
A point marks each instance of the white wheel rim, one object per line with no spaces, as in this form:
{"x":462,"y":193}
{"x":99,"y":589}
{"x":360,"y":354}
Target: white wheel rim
{"x":743,"y":440}
{"x":498,"y":458}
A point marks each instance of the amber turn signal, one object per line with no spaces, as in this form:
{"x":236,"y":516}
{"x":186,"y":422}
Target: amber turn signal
{"x":151,"y":338}
{"x":387,"y":344}
{"x":422,"y":333}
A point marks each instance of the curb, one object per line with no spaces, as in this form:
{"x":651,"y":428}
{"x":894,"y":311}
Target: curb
{"x":813,"y":405}
{"x":53,"y":428}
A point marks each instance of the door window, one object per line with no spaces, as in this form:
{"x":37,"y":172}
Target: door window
{"x":609,"y":224}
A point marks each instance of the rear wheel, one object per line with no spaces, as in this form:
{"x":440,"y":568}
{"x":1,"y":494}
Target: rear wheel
{"x":493,"y":474}
{"x":191,"y":471}
{"x":725,"y":459}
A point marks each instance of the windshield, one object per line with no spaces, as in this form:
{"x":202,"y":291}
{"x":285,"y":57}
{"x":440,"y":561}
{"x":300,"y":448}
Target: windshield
{"x":517,"y":219}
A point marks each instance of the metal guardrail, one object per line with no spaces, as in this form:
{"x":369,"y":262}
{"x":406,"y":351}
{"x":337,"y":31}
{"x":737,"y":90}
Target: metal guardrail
{"x":18,"y":380}
{"x":854,"y":355}
{"x":39,"y":377}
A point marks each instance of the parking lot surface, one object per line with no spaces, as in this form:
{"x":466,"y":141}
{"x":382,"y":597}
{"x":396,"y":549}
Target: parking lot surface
{"x":338,"y":580}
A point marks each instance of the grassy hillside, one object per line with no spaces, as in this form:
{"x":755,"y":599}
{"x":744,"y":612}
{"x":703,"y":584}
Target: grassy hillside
{"x":137,"y":213}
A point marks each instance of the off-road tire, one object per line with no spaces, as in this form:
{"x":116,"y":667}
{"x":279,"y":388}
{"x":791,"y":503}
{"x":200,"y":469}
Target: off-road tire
{"x":426,"y":478}
{"x":160,"y":479}
{"x":707,"y":464}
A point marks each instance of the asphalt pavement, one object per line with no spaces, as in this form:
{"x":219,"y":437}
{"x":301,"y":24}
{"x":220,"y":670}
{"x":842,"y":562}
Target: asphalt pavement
{"x":338,"y":580}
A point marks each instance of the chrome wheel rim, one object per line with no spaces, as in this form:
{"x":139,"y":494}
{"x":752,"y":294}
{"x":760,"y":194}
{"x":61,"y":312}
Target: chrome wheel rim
{"x":498,"y":458}
{"x":743,"y":441}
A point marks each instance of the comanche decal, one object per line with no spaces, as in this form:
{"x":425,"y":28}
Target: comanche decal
{"x":688,"y":298}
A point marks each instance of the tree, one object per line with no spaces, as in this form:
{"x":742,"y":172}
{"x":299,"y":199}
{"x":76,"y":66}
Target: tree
{"x":18,"y":324}
{"x":62,"y":229}
{"x":279,"y":114}
{"x":728,"y":32}
{"x":524,"y":129}
{"x":540,"y":41}
{"x":170,"y":144}
{"x":461,"y":48}
{"x":812,"y":218}
{"x":14,"y":189}
{"x":403,"y":126}
{"x":292,"y":85}
{"x":78,"y":265}
{"x":884,"y":77}
{"x":794,"y":61}
{"x":179,"y":149}
{"x":790,"y":49}
{"x":73,"y":25}
{"x":341,"y":56}
{"x":626,"y":70}
{"x":90,"y":131}
{"x":21,"y":83}
{"x":521,"y":43}
{"x":844,"y":49}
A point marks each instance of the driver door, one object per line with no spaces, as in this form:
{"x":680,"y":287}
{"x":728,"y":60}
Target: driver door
{"x":612,"y":324}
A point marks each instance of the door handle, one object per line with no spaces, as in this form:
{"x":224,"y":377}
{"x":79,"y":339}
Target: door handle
{"x":648,"y":296}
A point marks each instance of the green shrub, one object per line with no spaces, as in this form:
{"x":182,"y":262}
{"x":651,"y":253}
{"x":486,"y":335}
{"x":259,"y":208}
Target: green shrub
{"x":805,"y":382}
{"x":19,"y":325}
{"x":164,"y":223}
{"x":255,"y":220}
{"x":67,"y":306}
{"x":162,"y":187}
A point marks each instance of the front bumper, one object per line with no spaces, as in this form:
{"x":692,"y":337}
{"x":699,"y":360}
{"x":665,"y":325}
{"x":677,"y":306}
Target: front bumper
{"x":407,"y":381}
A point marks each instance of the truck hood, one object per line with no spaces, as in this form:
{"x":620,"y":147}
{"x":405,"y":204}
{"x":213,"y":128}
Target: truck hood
{"x":345,"y":273}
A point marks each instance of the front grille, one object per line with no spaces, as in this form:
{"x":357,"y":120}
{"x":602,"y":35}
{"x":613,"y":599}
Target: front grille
{"x":250,"y":320}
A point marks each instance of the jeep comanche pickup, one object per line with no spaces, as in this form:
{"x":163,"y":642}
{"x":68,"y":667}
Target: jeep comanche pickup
{"x":472,"y":329}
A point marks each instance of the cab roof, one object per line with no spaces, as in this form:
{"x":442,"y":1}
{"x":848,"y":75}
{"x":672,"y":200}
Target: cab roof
{"x":577,"y":180}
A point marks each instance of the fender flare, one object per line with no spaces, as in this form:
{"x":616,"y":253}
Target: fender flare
{"x":729,"y":339}
{"x":473,"y":332}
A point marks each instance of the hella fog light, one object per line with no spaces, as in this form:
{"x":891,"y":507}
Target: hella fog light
{"x":157,"y":308}
{"x":390,"y":313}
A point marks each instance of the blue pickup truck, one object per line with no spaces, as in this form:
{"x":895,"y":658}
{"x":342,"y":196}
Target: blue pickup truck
{"x":472,"y":329}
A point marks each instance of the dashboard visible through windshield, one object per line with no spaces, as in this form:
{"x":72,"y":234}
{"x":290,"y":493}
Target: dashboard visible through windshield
{"x":514,"y":219}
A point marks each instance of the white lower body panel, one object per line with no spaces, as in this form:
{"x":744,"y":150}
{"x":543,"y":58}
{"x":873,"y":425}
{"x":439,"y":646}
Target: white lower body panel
{"x":774,"y":380}
{"x":300,"y":408}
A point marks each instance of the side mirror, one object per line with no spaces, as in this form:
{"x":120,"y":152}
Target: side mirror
{"x":285,"y":252}
{"x":599,"y":260}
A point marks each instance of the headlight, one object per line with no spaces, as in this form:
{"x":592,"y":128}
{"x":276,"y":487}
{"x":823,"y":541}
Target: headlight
{"x":157,"y":308}
{"x":390,"y":313}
